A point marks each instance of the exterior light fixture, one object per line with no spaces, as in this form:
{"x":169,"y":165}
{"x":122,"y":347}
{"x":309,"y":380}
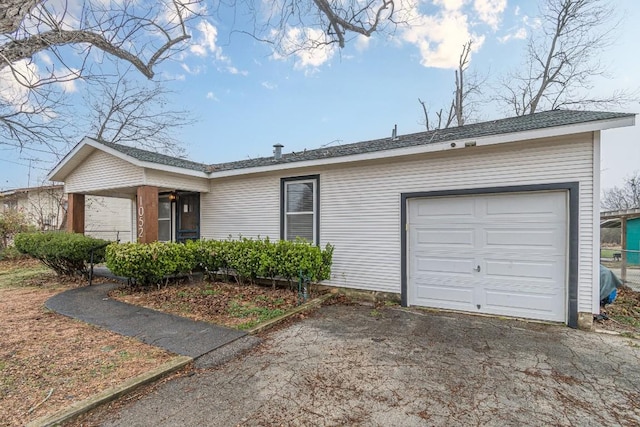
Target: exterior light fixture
{"x":173,"y":196}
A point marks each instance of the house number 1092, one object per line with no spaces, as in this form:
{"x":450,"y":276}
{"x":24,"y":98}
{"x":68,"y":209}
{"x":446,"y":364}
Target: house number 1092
{"x":140,"y":218}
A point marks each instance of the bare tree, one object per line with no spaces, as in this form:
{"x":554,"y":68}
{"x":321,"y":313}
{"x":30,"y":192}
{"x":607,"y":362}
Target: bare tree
{"x":562,"y":59}
{"x":293,"y":25}
{"x":136,"y":113}
{"x":74,"y":35}
{"x":461,"y":107}
{"x":129,"y":30}
{"x":625,"y":197}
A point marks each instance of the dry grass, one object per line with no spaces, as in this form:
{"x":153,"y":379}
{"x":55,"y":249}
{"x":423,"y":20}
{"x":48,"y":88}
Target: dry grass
{"x":48,"y":361}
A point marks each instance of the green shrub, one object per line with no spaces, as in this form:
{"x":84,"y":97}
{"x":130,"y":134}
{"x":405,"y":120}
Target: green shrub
{"x":246,"y":258}
{"x":68,"y":254}
{"x":151,"y":262}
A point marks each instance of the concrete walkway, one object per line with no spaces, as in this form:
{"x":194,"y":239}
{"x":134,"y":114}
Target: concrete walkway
{"x":178,"y":335}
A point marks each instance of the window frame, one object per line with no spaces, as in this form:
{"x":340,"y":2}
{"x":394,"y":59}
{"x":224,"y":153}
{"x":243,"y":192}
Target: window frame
{"x":163,"y":198}
{"x":284,"y":182}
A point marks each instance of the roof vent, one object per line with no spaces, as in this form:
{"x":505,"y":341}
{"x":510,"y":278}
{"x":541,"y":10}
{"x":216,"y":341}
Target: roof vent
{"x":277,"y":151}
{"x":394,"y":133}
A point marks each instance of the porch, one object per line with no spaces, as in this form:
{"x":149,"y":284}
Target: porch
{"x":158,"y":214}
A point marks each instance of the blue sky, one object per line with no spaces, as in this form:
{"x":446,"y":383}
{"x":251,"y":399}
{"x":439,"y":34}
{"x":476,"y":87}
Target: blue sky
{"x":246,"y":99}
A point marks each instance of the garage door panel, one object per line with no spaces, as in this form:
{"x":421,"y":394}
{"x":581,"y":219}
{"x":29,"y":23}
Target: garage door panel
{"x":513,"y":239}
{"x":549,"y":271}
{"x":444,"y":265}
{"x":518,"y":240}
{"x":455,"y":207}
{"x":527,"y":205}
{"x":526,"y":305}
{"x":450,"y":296}
{"x":445,"y":238}
{"x":543,"y":306}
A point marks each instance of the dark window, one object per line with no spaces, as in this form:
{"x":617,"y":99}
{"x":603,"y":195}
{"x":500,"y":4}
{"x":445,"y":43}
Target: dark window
{"x":300,"y":206}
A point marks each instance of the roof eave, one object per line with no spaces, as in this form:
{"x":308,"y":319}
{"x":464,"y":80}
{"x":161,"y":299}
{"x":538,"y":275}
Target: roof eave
{"x":60,"y":172}
{"x":458,"y":144}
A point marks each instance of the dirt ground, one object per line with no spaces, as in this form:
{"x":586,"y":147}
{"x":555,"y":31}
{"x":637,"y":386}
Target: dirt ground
{"x":48,"y":361}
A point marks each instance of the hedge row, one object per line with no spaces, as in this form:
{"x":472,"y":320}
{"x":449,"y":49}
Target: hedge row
{"x":245,"y":259}
{"x":68,"y":254}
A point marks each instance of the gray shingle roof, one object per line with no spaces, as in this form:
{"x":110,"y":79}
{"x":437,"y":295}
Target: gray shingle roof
{"x":542,"y":120}
{"x":150,"y":156}
{"x":535,"y":121}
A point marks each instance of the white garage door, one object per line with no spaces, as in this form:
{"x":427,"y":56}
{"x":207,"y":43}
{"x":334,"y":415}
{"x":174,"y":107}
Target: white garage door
{"x":503,"y":254}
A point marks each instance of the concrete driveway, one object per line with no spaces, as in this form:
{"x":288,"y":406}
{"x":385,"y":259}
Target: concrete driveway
{"x":353,"y":365}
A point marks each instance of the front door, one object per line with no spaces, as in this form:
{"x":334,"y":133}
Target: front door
{"x":188,"y":217}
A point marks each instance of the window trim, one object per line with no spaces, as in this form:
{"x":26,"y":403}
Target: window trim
{"x":316,"y":205}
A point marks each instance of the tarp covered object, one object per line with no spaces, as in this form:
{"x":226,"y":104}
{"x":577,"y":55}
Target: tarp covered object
{"x":608,"y":282}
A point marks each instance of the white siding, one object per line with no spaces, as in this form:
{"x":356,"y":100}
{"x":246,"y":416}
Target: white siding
{"x":173,"y":181}
{"x":360,"y":205}
{"x":108,"y":218}
{"x":249,"y":206}
{"x":102,"y":171}
{"x":595,"y":279}
{"x":43,"y":207}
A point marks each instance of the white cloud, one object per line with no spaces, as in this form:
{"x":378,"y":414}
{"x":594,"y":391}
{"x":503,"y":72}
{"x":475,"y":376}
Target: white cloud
{"x":519,"y":34}
{"x":206,"y":43}
{"x":269,"y":85}
{"x":13,"y":80}
{"x":69,"y":86}
{"x":194,"y":70}
{"x":440,"y":37}
{"x":362,"y":43}
{"x":490,"y":11}
{"x":234,"y":70}
{"x":308,"y":48}
{"x":211,"y":96}
{"x":450,"y":4}
{"x":171,"y":76}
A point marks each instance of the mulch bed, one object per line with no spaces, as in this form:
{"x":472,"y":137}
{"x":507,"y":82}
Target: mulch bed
{"x":624,"y":314}
{"x":233,"y":305}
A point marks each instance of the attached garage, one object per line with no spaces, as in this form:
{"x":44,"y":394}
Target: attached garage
{"x":493,"y":251}
{"x":498,"y":217}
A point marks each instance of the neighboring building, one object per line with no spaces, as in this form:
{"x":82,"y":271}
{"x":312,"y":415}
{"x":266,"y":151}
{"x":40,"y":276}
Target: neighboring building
{"x":633,"y":241}
{"x":45,"y":208}
{"x":628,"y":221}
{"x":497,"y":217}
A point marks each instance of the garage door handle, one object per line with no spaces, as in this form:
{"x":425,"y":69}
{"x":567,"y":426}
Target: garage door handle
{"x":477,"y":269}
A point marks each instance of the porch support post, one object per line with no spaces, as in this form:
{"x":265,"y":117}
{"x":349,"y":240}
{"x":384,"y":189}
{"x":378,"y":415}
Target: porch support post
{"x":75,"y":213}
{"x":147,"y":214}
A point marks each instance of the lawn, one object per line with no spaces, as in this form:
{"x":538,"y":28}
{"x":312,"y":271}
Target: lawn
{"x":608,"y":252}
{"x":48,"y":361}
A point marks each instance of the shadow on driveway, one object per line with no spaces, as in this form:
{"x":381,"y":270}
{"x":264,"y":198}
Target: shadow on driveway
{"x":352,"y":365}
